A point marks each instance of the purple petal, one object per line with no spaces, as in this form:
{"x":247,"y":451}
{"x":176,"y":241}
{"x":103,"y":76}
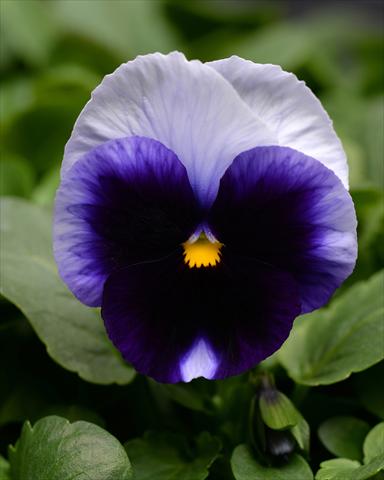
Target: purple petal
{"x":286,"y":209}
{"x":175,"y":323}
{"x":126,"y":201}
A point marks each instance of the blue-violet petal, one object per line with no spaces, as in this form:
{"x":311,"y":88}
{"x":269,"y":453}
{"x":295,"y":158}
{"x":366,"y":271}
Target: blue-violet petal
{"x":126,"y":201}
{"x":287,"y":210}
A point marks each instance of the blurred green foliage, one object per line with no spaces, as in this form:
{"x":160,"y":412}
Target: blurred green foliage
{"x":54,"y":52}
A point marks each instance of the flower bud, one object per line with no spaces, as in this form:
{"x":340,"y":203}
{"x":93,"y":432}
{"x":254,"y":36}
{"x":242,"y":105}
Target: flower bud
{"x":277,"y":427}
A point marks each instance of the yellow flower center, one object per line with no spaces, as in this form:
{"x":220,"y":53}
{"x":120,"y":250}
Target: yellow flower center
{"x":202,"y":252}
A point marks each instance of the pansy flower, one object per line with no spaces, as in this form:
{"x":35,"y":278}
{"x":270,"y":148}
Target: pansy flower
{"x":202,"y":206}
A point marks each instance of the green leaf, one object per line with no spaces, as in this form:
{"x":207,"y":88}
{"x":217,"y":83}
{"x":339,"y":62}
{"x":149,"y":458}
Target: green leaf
{"x":344,"y":469}
{"x":326,"y":346}
{"x":300,"y":39}
{"x":361,"y":119}
{"x":370,"y":391}
{"x":130,"y":34}
{"x":28,"y":30}
{"x":167,"y":456}
{"x":73,"y":334}
{"x":60,"y":79}
{"x":227,"y":12}
{"x":184,"y":394}
{"x":374,"y":126}
{"x":4,"y":469}
{"x":302,"y":434}
{"x":336,"y":469}
{"x":74,"y":413}
{"x":55,"y":449}
{"x":14,"y":408}
{"x":41,"y":132}
{"x":264,"y":46}
{"x":17,"y":97}
{"x":44,"y":193}
{"x":246,"y":467}
{"x":277,"y":410}
{"x":369,"y":470}
{"x":356,"y":162}
{"x":369,"y":203}
{"x":374,"y":443}
{"x":232,"y":403}
{"x":344,"y":436}
{"x":16,"y":176}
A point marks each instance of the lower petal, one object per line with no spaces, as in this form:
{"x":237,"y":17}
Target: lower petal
{"x":176,"y":323}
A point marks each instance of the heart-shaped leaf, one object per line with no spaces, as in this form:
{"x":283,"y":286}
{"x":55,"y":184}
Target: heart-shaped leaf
{"x":246,"y":467}
{"x":345,"y":469}
{"x":73,"y":333}
{"x":54,"y":449}
{"x":167,"y":456}
{"x":344,"y":436}
{"x":326,"y":346}
{"x":374,"y":443}
{"x":336,"y":469}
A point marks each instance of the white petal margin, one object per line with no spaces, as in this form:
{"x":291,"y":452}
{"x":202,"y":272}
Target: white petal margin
{"x":185,"y":105}
{"x":289,"y":108}
{"x":200,"y":361}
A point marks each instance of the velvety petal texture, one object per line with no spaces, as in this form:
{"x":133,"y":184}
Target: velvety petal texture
{"x":187,"y":106}
{"x":126,"y":201}
{"x":287,"y":210}
{"x":289,"y":108}
{"x":288,"y":229}
{"x":203,"y":207}
{"x":174,"y":323}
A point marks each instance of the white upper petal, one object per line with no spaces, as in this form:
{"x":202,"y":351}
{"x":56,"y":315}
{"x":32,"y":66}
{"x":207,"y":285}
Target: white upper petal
{"x":289,"y":108}
{"x":187,"y":106}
